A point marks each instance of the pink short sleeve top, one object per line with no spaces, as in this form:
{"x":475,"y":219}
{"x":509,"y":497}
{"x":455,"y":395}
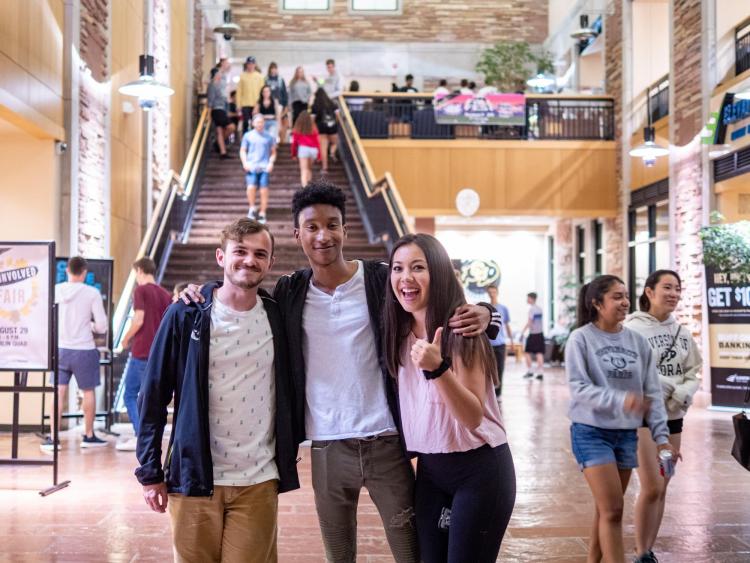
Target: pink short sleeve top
{"x":428,"y":425}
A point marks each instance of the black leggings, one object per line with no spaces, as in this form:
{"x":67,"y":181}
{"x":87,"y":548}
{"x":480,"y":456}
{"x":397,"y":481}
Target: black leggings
{"x":479,"y":488}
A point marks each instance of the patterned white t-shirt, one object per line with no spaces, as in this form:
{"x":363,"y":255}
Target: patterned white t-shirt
{"x":241,"y":396}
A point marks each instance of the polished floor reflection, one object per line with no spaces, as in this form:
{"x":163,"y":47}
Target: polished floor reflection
{"x":101,"y":516}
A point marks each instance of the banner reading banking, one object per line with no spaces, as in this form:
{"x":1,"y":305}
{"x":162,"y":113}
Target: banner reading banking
{"x":25,"y":305}
{"x":492,"y":109}
{"x":729,"y":327}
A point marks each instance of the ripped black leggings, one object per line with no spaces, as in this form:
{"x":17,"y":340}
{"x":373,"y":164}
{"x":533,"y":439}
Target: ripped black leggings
{"x":479,"y":488}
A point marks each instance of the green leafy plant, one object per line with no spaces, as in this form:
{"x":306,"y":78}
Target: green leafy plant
{"x":507,"y":64}
{"x":726,"y":247}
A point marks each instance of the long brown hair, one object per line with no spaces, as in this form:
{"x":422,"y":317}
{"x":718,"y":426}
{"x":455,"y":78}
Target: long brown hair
{"x":445,"y":296}
{"x":304,"y":124}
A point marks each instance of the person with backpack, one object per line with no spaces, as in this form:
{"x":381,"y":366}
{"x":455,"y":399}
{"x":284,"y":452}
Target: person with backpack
{"x":324,"y":111}
{"x":679,"y":363}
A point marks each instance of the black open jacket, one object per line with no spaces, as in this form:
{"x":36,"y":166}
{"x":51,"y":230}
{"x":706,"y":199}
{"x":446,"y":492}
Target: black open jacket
{"x":178,"y":364}
{"x":290,"y":294}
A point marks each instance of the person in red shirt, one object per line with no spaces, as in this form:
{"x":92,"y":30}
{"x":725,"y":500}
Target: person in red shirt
{"x":305,"y":145}
{"x":150,"y":300}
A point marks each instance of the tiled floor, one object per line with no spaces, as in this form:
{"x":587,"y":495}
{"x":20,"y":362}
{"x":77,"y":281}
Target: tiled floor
{"x":101,"y":516}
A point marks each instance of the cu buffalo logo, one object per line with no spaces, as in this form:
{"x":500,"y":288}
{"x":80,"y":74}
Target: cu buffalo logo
{"x":476,"y":275}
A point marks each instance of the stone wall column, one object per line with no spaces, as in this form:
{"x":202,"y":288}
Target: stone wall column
{"x":91,"y":193}
{"x":615,"y":241}
{"x":565,"y":293}
{"x":685,"y":159}
{"x":160,"y":113}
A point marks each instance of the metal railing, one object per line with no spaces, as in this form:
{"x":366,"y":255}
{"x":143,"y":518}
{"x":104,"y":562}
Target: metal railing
{"x":658,"y":99}
{"x":412,"y":116}
{"x":383,"y":212}
{"x":169,"y":223}
{"x":742,"y":49}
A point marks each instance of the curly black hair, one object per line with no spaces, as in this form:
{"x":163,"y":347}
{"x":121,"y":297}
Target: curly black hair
{"x":315,"y":192}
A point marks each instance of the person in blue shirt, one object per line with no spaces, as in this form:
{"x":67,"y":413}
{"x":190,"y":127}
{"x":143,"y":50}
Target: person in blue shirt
{"x":258,"y":154}
{"x":504,"y":336}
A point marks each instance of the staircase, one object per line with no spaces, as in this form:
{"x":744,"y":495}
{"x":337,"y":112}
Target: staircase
{"x":222,"y":199}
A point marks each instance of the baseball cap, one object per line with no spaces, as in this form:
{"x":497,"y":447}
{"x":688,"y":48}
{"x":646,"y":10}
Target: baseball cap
{"x":250,"y":59}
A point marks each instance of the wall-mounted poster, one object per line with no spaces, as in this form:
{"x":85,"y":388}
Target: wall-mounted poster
{"x":728,"y":297}
{"x":491,"y":109}
{"x":99,"y":276}
{"x":26,"y":299}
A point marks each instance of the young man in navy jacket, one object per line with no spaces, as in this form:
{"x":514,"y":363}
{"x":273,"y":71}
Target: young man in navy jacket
{"x":226,"y":358}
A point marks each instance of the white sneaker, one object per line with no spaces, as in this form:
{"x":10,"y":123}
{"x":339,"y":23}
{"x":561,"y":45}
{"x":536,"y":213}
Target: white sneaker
{"x":127,"y":445}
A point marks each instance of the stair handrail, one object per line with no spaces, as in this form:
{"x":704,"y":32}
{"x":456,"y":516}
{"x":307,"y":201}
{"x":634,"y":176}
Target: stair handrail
{"x":374,"y":187}
{"x":176,"y":186}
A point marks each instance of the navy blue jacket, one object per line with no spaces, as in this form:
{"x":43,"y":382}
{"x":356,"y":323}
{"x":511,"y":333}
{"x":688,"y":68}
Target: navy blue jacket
{"x":178,"y":365}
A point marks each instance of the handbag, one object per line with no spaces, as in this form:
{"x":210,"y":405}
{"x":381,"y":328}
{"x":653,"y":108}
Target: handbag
{"x":741,"y":446}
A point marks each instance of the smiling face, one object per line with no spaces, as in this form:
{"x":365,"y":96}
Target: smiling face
{"x":665,"y":296}
{"x":321,"y":234}
{"x":247,"y":262}
{"x":410,"y":278}
{"x":614,"y":305}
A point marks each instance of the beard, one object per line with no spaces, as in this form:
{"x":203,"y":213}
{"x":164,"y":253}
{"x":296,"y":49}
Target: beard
{"x":243,"y":282}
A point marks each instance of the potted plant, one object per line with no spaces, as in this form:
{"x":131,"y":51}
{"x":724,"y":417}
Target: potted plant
{"x":507,"y":64}
{"x":726,"y":247}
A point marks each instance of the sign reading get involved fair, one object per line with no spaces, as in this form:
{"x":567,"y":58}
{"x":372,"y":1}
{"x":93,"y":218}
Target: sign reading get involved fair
{"x":728,"y":297}
{"x":490,"y":109}
{"x":26,"y":298}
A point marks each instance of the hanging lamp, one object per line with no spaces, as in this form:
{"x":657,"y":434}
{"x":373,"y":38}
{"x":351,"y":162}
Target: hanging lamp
{"x":649,"y":150}
{"x":147,"y":89}
{"x":584,"y":32}
{"x":228,"y":29}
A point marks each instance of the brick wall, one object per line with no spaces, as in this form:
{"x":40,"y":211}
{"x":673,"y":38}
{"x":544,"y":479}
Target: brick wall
{"x":160,"y":113}
{"x":686,"y":173}
{"x":615,"y":247}
{"x":93,"y":190}
{"x":481,"y":21}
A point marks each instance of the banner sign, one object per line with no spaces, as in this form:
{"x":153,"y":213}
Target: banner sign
{"x":729,"y":328}
{"x":99,"y":276}
{"x":26,"y":299}
{"x":491,"y":109}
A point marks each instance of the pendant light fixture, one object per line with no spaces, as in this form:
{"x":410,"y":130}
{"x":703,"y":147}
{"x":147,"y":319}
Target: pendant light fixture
{"x":649,"y":150}
{"x":228,"y":29}
{"x":147,"y":89}
{"x":584,"y":32}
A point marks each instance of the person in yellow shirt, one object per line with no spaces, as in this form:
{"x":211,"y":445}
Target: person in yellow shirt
{"x":248,"y":90}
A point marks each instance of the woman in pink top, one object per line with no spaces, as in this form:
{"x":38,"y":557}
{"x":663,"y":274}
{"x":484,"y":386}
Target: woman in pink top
{"x":466,"y":485}
{"x":305,"y":145}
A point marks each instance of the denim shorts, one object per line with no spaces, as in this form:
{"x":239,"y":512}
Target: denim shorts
{"x":600,"y":446}
{"x":83,"y":364}
{"x":257,"y":179}
{"x":307,"y":152}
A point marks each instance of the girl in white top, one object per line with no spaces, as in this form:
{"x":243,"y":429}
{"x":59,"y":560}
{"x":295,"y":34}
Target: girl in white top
{"x":679,"y":363}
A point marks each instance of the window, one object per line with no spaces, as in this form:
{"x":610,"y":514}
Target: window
{"x":581,"y":250}
{"x":597,"y":230}
{"x":380,"y":7}
{"x":305,"y":5}
{"x":648,"y":229}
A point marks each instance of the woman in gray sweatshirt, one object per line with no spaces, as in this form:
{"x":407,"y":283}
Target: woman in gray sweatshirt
{"x":613,"y":386}
{"x":679,"y":364}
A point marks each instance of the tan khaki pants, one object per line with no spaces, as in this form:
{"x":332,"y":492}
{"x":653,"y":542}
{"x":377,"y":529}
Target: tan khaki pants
{"x":235,"y":525}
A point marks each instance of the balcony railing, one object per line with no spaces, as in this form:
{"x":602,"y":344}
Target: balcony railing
{"x":402,"y":116}
{"x":742,"y":49}
{"x":658,"y":99}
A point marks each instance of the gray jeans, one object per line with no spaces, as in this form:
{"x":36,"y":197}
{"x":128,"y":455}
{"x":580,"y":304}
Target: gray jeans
{"x":340,"y":468}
